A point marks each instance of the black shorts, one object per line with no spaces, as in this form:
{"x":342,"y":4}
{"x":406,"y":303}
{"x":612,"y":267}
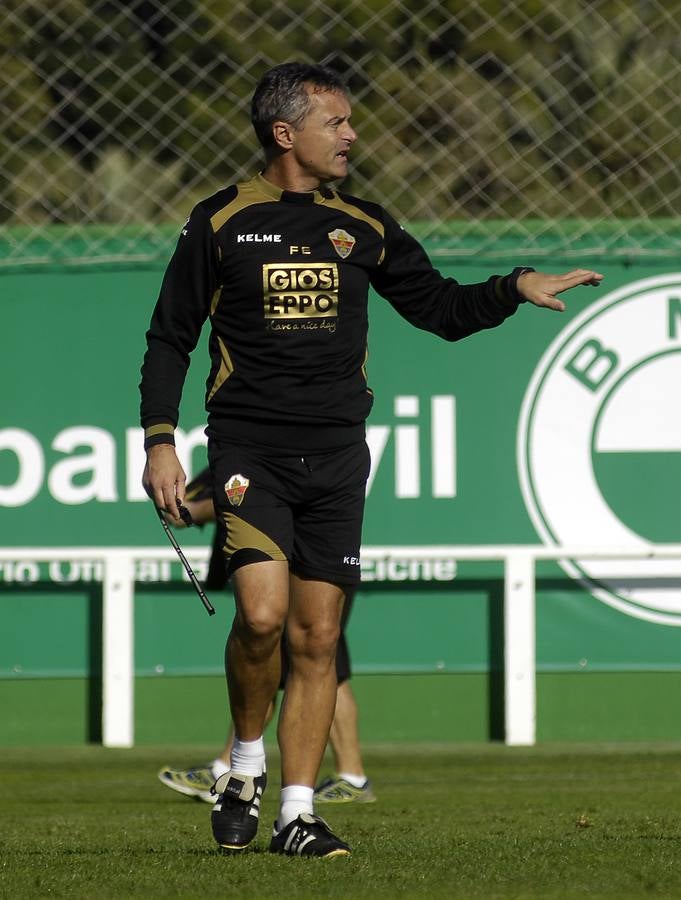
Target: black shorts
{"x":307,"y":510}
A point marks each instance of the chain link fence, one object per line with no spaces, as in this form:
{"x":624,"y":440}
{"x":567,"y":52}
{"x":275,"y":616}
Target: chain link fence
{"x":532,"y":126}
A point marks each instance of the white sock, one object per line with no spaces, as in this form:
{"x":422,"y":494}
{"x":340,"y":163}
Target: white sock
{"x":218,"y":767}
{"x":295,"y":799}
{"x":357,"y":781}
{"x":248,"y":757}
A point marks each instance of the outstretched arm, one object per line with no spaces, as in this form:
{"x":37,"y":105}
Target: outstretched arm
{"x":541,"y":289}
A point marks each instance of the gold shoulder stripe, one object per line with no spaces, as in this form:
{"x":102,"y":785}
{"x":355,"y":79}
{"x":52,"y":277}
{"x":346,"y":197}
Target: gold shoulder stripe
{"x":215,"y":300}
{"x":355,"y":212}
{"x":225,"y":370}
{"x":249,"y":193}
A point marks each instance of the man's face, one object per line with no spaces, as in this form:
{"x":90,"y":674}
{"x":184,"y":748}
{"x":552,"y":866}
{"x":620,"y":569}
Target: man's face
{"x":321,"y":144}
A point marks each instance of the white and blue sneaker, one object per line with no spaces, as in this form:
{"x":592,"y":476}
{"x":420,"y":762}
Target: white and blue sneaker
{"x":335,"y":789}
{"x":195,"y":782}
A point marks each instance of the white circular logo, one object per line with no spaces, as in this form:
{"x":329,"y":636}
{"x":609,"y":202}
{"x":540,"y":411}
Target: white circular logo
{"x":599,"y":444}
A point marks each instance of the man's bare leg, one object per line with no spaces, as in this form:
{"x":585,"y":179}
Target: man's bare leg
{"x":307,"y":710}
{"x":225,"y":754}
{"x":253,"y":664}
{"x":312,"y":627}
{"x":253,"y":661}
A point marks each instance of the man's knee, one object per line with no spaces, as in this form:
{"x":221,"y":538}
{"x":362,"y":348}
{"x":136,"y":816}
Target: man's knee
{"x":261,"y":593}
{"x":315,"y":640}
{"x":259,"y":625}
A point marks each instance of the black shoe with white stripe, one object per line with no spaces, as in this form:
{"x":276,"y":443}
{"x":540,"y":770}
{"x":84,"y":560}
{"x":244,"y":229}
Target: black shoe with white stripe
{"x":307,"y":836}
{"x":235,"y":815}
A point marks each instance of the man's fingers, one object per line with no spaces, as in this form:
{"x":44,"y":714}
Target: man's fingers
{"x":541,"y":288}
{"x":154,"y":493}
{"x":180,"y":488}
{"x":170,"y":502}
{"x":175,"y":521}
{"x":577,"y":276}
{"x":157,"y":496}
{"x":167,"y":496}
{"x":551,"y":302}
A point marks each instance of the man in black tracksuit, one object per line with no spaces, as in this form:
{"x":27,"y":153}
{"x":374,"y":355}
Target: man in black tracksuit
{"x":282,"y":266}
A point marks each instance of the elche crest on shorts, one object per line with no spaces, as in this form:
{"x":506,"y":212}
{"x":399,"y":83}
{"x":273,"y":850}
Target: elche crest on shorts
{"x":599,"y":445}
{"x":235,"y":488}
{"x":342,"y":242}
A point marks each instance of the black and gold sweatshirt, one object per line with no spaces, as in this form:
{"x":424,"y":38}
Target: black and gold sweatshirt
{"x":284,"y":278}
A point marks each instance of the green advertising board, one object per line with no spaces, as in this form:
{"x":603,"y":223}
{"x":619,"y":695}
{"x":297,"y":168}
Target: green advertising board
{"x":551,"y":429}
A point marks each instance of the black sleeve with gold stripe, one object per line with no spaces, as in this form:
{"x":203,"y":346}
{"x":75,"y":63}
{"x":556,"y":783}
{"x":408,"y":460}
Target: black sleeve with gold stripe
{"x":181,"y":309}
{"x":163,"y":433}
{"x":419,"y":293}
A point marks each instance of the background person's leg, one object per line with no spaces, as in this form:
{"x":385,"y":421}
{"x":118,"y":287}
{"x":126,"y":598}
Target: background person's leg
{"x":349,"y":784}
{"x":344,"y":733}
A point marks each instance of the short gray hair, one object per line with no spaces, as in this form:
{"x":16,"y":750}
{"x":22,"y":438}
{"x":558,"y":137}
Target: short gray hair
{"x":281,"y":94}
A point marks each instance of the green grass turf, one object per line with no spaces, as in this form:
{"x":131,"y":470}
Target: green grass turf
{"x":450,"y":822}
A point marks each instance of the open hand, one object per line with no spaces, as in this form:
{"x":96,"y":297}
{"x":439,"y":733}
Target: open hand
{"x":540,"y":288}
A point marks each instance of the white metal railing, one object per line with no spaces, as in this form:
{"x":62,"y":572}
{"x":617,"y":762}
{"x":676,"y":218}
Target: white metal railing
{"x":118,"y":584}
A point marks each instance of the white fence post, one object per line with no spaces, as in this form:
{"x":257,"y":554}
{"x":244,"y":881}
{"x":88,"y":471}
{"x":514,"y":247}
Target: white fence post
{"x":118,"y":651}
{"x":519,"y":615}
{"x":519,"y":650}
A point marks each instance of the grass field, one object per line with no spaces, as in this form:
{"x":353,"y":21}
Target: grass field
{"x":450,"y":822}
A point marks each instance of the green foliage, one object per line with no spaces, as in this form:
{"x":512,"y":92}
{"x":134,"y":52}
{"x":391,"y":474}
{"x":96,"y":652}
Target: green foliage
{"x":133,"y":111}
